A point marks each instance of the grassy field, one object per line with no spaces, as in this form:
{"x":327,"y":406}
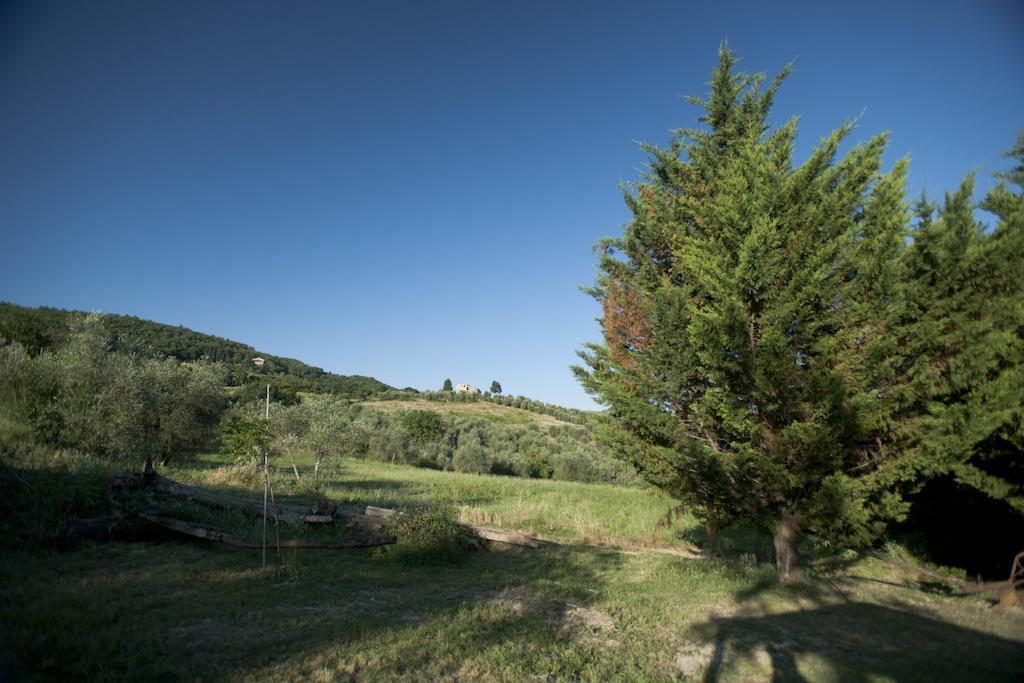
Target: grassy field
{"x":177,"y":609}
{"x":491,"y":411}
{"x":564,"y":511}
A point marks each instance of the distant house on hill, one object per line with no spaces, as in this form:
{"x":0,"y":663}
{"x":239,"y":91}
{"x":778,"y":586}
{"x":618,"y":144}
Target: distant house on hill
{"x":466,"y":389}
{"x":258,"y":362}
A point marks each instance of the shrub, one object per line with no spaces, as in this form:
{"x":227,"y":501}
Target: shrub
{"x":245,"y":440}
{"x":391,"y":445}
{"x":428,"y":537}
{"x":470,"y":457}
{"x":423,"y":426}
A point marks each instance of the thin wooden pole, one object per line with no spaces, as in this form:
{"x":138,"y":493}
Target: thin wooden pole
{"x":266,"y":489}
{"x":277,"y":526}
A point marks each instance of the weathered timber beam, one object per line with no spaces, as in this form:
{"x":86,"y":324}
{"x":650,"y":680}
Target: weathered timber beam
{"x":374,"y":518}
{"x":367,"y":521}
{"x":188,"y":529}
{"x":284,"y":512}
{"x":510,"y":537}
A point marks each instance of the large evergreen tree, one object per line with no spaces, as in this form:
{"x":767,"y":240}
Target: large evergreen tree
{"x":743,"y":316}
{"x":960,"y":332}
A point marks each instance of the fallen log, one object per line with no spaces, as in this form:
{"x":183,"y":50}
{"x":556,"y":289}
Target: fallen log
{"x":285,"y":513}
{"x":510,"y":537}
{"x":367,"y":521}
{"x":318,"y":519}
{"x":375,"y":518}
{"x":188,"y":529}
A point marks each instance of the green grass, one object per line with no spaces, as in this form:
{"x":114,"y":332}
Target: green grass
{"x":189,"y":610}
{"x":598,"y":514}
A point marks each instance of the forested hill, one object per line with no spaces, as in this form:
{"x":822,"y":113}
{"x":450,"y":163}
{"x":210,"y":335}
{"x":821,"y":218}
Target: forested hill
{"x":41,"y":328}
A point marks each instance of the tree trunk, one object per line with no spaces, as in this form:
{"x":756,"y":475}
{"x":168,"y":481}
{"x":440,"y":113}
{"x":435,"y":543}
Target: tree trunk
{"x":787,"y":559}
{"x":709,"y":524}
{"x":295,"y":468}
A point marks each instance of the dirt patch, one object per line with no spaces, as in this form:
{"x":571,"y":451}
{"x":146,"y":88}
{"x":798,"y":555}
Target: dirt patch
{"x":692,"y":659}
{"x":588,"y":617}
{"x":517,"y":600}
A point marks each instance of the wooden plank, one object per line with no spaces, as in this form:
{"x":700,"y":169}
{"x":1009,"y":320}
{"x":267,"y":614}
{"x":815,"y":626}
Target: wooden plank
{"x":284,"y":512}
{"x":372,"y":511}
{"x":188,"y":529}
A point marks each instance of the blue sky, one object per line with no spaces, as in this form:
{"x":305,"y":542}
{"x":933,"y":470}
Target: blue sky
{"x":410,"y":190}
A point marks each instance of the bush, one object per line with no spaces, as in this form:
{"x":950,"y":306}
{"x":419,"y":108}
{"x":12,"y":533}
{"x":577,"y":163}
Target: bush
{"x":576,"y":466}
{"x":537,"y":466}
{"x":244,"y":440}
{"x":471,"y":458}
{"x":423,"y":425}
{"x":392,"y":445}
{"x":428,"y":537}
{"x":434,"y":456}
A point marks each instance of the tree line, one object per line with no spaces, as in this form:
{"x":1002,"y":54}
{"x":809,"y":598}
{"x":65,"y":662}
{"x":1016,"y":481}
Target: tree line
{"x":85,"y":394}
{"x":329,"y":427}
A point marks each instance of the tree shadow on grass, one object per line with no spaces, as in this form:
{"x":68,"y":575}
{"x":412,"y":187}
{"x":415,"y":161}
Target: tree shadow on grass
{"x":451,"y":621}
{"x":180,"y":610}
{"x":856,"y":641}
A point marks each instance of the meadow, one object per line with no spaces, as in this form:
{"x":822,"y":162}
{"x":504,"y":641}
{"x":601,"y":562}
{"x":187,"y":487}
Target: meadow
{"x":601,"y":600}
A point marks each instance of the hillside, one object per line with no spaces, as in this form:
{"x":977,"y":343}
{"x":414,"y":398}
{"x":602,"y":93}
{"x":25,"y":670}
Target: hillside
{"x":41,"y":328}
{"x":484,"y":409}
